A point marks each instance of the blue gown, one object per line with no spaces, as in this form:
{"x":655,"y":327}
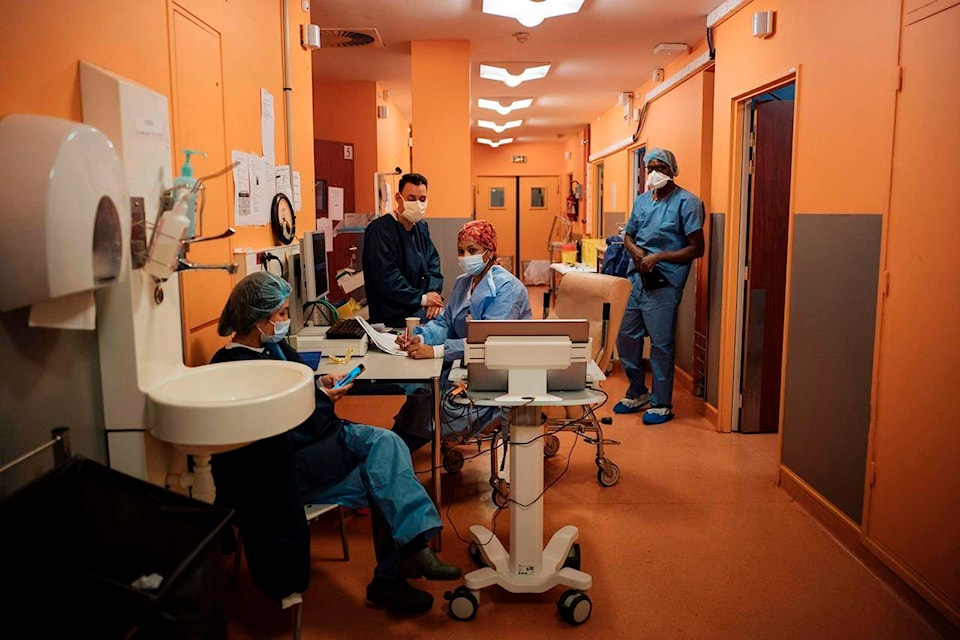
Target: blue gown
{"x":399,"y":266}
{"x":333,"y":461}
{"x":656,"y":226}
{"x":498,"y":296}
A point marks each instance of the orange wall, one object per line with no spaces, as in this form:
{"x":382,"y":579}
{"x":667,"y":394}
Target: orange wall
{"x":845,"y":79}
{"x":40,"y":75}
{"x":353,"y":120}
{"x":440,"y":90}
{"x":543,"y":159}
{"x":393,"y":138}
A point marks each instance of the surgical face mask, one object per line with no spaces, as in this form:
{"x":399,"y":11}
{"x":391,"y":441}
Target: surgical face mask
{"x":657,"y":180}
{"x":414,"y":211}
{"x":279,"y":332}
{"x":472,"y":265}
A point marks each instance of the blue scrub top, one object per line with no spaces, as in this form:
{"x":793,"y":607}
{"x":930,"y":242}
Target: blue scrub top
{"x":663,"y":225}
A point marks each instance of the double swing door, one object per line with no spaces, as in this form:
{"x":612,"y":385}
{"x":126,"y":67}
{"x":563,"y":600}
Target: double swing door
{"x":522,"y":209}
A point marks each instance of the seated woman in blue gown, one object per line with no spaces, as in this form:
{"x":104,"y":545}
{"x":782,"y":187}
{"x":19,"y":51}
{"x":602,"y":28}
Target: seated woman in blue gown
{"x":324,"y":460}
{"x":484,"y":291}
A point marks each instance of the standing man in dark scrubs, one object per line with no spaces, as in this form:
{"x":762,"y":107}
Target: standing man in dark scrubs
{"x":401,"y":266}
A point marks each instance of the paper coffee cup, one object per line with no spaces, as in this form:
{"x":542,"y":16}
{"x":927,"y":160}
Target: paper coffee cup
{"x":412,"y":323}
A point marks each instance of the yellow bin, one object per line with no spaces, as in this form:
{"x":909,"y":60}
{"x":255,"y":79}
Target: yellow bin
{"x":589,"y":248}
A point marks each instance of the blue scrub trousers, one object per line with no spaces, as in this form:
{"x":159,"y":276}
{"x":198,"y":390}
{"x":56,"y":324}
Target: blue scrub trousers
{"x":650,"y":313}
{"x":384,"y":478}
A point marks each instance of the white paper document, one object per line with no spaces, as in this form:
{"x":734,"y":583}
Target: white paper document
{"x":284,"y":185}
{"x":296,"y":191}
{"x":386,"y":342}
{"x":267,"y":125}
{"x":326,"y":226}
{"x":335,"y":196}
{"x":259,"y":205}
{"x":241,"y":189}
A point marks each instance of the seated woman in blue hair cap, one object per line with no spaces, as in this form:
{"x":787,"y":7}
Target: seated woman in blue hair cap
{"x":324,"y":460}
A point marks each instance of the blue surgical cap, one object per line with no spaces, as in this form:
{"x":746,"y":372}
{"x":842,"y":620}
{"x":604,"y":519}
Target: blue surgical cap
{"x":253,"y":300}
{"x":664,"y":156}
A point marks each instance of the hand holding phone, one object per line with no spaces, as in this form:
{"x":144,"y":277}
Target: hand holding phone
{"x":350,"y":377}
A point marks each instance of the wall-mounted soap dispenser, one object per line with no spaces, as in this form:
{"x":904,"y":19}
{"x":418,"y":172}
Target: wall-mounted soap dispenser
{"x":65,"y":211}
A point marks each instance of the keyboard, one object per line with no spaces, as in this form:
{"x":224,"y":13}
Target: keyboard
{"x":347,"y":328}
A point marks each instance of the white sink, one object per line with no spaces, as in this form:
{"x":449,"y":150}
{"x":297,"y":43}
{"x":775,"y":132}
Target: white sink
{"x":222,"y":406}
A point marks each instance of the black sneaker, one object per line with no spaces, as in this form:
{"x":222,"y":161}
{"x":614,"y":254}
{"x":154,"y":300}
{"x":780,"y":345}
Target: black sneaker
{"x":399,"y":595}
{"x":425,"y":564}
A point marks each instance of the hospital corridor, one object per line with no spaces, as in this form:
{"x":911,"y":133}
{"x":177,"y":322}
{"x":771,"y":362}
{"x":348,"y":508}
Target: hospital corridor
{"x":696,"y":541}
{"x":389,"y":319}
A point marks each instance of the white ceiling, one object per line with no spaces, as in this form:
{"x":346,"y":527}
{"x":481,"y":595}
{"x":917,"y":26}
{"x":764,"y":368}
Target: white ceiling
{"x":605,"y":49}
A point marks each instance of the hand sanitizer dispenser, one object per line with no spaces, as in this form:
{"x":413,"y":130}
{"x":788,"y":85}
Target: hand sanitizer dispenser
{"x":65,"y":211}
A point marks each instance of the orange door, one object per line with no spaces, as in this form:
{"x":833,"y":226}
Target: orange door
{"x":539,"y":205}
{"x":496,"y":201}
{"x":912,"y":520}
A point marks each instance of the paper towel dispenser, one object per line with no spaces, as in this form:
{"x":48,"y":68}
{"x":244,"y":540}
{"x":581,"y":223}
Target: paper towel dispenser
{"x":64,"y":210}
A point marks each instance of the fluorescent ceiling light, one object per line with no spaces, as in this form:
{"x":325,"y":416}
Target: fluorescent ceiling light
{"x":500,"y":74}
{"x":499,"y":128}
{"x":493,"y":144}
{"x":530,"y":13}
{"x":486,"y":103}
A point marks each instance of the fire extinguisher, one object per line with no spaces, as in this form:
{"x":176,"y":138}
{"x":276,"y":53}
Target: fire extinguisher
{"x":572,"y":206}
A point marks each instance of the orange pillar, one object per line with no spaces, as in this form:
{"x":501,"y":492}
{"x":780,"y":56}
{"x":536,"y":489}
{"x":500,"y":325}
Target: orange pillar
{"x":440,"y":100}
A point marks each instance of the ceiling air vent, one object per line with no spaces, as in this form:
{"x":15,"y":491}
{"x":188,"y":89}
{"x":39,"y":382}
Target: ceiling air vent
{"x":348,"y":38}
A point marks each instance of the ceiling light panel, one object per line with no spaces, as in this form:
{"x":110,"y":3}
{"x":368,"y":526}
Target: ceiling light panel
{"x":530,"y":13}
{"x":504,"y":109}
{"x":489,"y":142}
{"x":491,"y":72}
{"x":499,"y":128}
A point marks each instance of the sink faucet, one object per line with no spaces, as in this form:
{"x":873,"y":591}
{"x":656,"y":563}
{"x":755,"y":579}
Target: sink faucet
{"x":186,"y":265}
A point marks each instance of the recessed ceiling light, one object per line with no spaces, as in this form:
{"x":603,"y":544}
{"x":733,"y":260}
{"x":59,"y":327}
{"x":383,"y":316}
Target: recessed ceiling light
{"x":499,"y":128}
{"x":530,"y":13}
{"x":493,"y":144}
{"x":504,"y":109}
{"x":500,"y":74}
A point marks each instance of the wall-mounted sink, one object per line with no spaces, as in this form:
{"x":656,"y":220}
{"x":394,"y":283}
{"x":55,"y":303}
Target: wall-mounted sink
{"x":222,"y":406}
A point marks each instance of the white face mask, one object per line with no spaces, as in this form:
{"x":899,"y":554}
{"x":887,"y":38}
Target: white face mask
{"x":472,"y":265}
{"x":657,"y":180}
{"x":279,"y":332}
{"x":414,"y":211}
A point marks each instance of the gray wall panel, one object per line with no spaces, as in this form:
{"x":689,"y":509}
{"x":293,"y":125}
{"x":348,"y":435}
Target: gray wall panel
{"x":685,"y":322}
{"x":49,"y":378}
{"x":443,"y":232}
{"x":833,"y":289}
{"x":714,"y":306}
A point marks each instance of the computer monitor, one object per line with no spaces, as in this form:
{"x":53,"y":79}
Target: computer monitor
{"x":573,"y":377}
{"x":313,"y":264}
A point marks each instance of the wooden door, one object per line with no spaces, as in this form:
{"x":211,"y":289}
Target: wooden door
{"x":333,"y":169}
{"x":496,"y":201}
{"x":539,"y":203}
{"x":912,"y":519}
{"x":767,"y":266}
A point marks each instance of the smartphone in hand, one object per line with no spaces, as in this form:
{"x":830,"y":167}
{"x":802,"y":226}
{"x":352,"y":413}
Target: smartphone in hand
{"x":350,"y":377}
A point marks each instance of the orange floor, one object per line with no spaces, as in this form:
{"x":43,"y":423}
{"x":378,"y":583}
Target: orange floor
{"x":696,"y":541}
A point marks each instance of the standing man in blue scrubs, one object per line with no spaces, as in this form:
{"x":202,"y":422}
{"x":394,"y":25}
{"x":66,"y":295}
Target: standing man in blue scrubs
{"x":663,"y":237}
{"x":401,"y":266}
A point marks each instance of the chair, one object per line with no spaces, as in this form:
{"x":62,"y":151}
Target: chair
{"x":295,"y":601}
{"x":601,"y":299}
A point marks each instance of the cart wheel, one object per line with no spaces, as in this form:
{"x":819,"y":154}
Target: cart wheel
{"x":573,"y":557}
{"x":551,"y":445}
{"x":608,"y":479}
{"x":452,"y":461}
{"x":574,"y":607}
{"x":463,"y":604}
{"x":476,"y":555}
